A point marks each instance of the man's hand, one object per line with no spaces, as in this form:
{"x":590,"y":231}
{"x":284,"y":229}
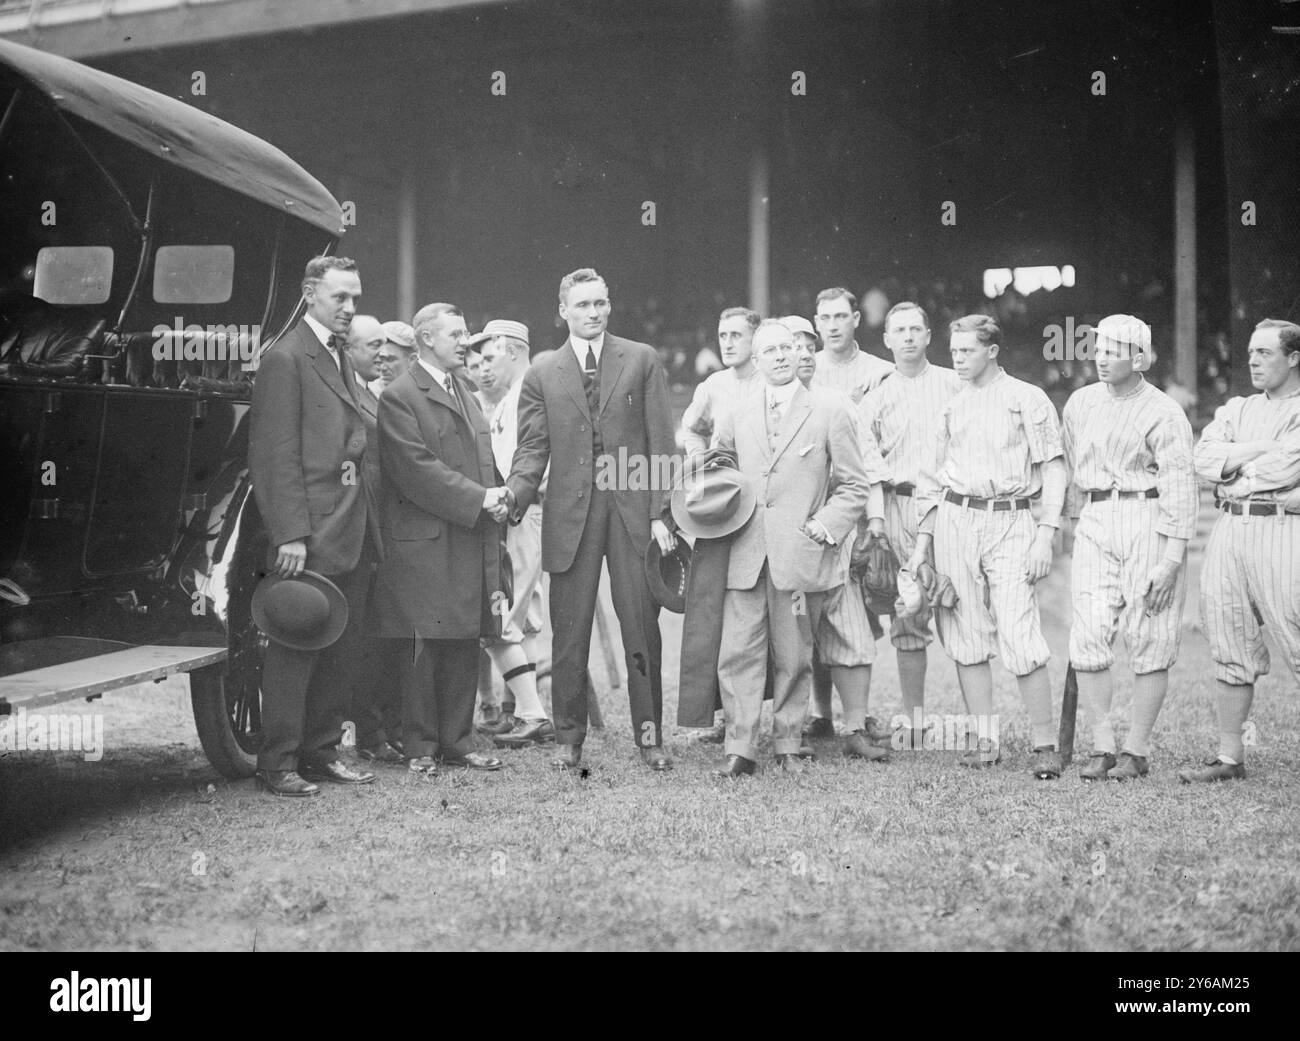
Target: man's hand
{"x":666,"y":539}
{"x":291,"y":558}
{"x":494,"y":504}
{"x":1040,"y":555}
{"x":1291,"y":501}
{"x":816,"y":531}
{"x":876,"y":526}
{"x":1159,"y":591}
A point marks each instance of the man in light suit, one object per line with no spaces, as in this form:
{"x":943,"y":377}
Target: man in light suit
{"x":597,"y":396}
{"x":441,"y":510}
{"x":306,"y":450}
{"x":797,"y":444}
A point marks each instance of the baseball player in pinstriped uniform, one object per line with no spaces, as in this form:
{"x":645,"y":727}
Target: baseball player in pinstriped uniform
{"x":846,"y":641}
{"x":999,"y":445}
{"x":902,"y":416}
{"x":1128,"y":447}
{"x":1251,"y":454}
{"x":722,"y":390}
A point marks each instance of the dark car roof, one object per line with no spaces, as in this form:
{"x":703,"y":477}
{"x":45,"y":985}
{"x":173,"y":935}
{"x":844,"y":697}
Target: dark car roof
{"x":174,"y":132}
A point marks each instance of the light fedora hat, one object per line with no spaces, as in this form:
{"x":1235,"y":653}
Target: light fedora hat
{"x":307,"y":612}
{"x":714,"y":502}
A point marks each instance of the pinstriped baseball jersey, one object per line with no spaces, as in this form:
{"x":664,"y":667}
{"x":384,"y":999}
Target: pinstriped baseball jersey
{"x":856,"y":377}
{"x":1252,"y":563}
{"x":717,"y":393}
{"x":990,"y":442}
{"x":903,"y":414}
{"x":1135,"y":442}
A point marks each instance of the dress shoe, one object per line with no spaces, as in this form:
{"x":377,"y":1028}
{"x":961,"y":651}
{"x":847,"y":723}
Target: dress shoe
{"x":473,"y":761}
{"x":526,"y":733}
{"x":736,"y":766}
{"x":791,"y":763}
{"x":567,"y":757}
{"x":1129,"y":768}
{"x":983,"y":755}
{"x":1095,"y":769}
{"x":1047,"y":763}
{"x":657,"y":759}
{"x":287,"y":783}
{"x":502,"y":724}
{"x":335,"y":771}
{"x":1213,"y":769}
{"x":807,"y":752}
{"x":383,"y":752}
{"x":857,"y":745}
{"x":424,"y":764}
{"x":818,"y":727}
{"x":714,"y":735}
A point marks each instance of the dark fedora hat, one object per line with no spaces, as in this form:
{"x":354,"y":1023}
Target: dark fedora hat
{"x":307,"y":612}
{"x":667,"y":575}
{"x":714,"y":502}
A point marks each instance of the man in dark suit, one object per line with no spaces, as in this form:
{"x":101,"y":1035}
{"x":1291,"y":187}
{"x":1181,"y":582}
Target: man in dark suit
{"x":441,"y":511}
{"x":307,"y":444}
{"x":596,"y":401}
{"x":375,"y":708}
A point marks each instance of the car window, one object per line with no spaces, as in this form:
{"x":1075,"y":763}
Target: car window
{"x":74,"y":275}
{"x":193,"y":274}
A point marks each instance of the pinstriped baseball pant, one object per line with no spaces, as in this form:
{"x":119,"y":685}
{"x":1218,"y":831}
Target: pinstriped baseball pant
{"x":1115,"y":548}
{"x":1251,"y":575}
{"x":906,"y":634}
{"x":984,"y":552}
{"x":844,"y":635}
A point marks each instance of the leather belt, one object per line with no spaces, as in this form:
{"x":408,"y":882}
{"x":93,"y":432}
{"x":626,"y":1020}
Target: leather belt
{"x":973,"y":503}
{"x":1253,"y":509}
{"x":1149,"y":493}
{"x":900,"y":489}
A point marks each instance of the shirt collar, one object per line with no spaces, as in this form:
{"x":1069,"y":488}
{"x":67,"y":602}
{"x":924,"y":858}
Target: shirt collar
{"x":434,"y":371}
{"x":580,"y":348}
{"x":321,"y":332}
{"x":783,"y":394}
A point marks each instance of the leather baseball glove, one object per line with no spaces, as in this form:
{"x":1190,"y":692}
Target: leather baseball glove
{"x":875,"y":564}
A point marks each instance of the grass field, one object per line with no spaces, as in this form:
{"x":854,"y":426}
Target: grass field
{"x":149,"y":849}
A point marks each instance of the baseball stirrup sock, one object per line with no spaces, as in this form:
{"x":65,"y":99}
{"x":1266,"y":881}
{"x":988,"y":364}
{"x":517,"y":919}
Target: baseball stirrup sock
{"x":1149,"y":691}
{"x":1097,"y":690}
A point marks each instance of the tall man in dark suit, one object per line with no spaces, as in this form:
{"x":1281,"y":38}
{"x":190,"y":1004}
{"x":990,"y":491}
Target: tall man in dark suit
{"x":442,"y":511}
{"x":597,"y":396}
{"x":306,"y":450}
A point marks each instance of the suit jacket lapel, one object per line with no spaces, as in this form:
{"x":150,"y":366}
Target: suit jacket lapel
{"x":325,"y":367}
{"x":435,"y":391}
{"x":571,"y":378}
{"x":795,"y":417}
{"x":757,"y":416}
{"x":611,"y":367}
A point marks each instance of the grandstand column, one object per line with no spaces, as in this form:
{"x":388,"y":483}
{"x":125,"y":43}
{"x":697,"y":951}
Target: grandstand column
{"x":759,"y":251}
{"x":1185,"y":366}
{"x":406,"y":217}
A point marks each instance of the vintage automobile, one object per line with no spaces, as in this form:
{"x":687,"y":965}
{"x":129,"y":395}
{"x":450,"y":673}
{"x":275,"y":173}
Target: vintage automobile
{"x":149,"y":252}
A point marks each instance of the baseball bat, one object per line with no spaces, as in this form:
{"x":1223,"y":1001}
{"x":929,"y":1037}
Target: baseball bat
{"x":1069,"y":712}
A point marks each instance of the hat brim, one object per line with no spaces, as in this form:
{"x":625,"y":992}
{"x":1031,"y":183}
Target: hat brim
{"x":713,"y":529}
{"x":666,"y":596}
{"x":478,"y":338}
{"x":330,"y":632}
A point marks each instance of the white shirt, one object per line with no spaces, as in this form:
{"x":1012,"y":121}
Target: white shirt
{"x":779,"y":398}
{"x":580,"y":348}
{"x":324,"y":335}
{"x":435,"y":372}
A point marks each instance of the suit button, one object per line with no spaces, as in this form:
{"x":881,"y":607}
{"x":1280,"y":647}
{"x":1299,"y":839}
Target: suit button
{"x":769,"y":505}
{"x":582,"y":462}
{"x":580,"y":495}
{"x":582,"y":430}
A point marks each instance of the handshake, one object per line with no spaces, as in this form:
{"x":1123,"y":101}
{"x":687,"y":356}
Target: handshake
{"x":498,"y":503}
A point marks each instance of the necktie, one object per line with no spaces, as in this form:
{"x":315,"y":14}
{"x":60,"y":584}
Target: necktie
{"x":450,"y":384}
{"x":773,"y":420}
{"x":589,"y":368}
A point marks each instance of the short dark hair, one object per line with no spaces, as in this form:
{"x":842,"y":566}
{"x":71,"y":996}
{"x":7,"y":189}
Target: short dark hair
{"x":431,"y":313}
{"x":1288,"y":337}
{"x":318,"y":266}
{"x":752,"y":318}
{"x":907,"y":305}
{"x":583,"y":274}
{"x":836,"y":293}
{"x":986,"y":330}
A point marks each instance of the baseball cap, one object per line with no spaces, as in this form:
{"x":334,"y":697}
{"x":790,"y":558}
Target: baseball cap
{"x":400,"y":333}
{"x":502,"y":327}
{"x":1124,"y":328}
{"x":798,"y":324}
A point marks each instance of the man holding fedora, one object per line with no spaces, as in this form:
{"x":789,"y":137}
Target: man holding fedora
{"x":800,"y":449}
{"x":307,"y":444}
{"x":441,"y":577}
